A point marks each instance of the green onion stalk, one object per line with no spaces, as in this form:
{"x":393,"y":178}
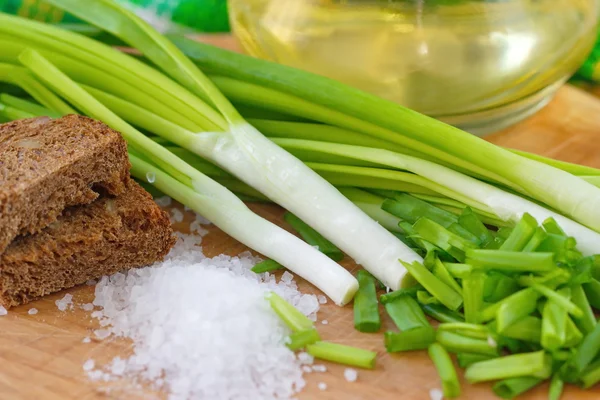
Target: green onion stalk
{"x":201,"y":193}
{"x":211,"y":127}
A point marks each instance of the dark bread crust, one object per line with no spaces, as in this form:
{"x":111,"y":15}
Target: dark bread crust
{"x":48,"y":165}
{"x":86,"y":242}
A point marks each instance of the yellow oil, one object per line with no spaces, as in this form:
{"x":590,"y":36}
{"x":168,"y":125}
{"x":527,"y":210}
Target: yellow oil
{"x":442,"y":58}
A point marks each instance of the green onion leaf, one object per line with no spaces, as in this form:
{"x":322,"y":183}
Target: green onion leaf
{"x":342,"y":354}
{"x":537,"y":365}
{"x":366,"y":308}
{"x":445,"y":368}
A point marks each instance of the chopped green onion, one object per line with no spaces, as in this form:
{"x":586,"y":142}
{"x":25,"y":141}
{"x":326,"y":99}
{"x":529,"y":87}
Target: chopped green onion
{"x":537,"y":365}
{"x":591,"y":375}
{"x":440,"y":271}
{"x":510,"y":260}
{"x":292,"y":317}
{"x":515,"y":307}
{"x":458,"y":270}
{"x":391,"y":296}
{"x":423,"y":297}
{"x":473,"y":287}
{"x":551,"y":226}
{"x":366,"y":307}
{"x":513,"y":387}
{"x":445,"y":368}
{"x":466,"y":329}
{"x":558,"y":299}
{"x":313,"y":237}
{"x":587,"y":322}
{"x":342,"y":354}
{"x":587,"y":350}
{"x":457,"y":343}
{"x":554,"y":324}
{"x":528,"y":329}
{"x":266,"y":266}
{"x":592,"y":291}
{"x":406,"y":313}
{"x":442,"y":313}
{"x":27,"y":106}
{"x":409,"y":340}
{"x":444,"y":293}
{"x":469,"y":220}
{"x":528,"y":296}
{"x":301,"y":339}
{"x":466,"y":359}
{"x":573,"y":336}
{"x":499,"y":286}
{"x":536,"y":240}
{"x":521,"y":234}
{"x":411,"y":209}
{"x":440,"y":236}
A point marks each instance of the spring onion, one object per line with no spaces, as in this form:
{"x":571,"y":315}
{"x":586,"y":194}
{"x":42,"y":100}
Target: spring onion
{"x":457,"y":343}
{"x":445,"y":369}
{"x":513,"y":387}
{"x":266,"y":266}
{"x":207,"y":197}
{"x":366,"y":307}
{"x":342,"y":354}
{"x":409,"y":340}
{"x":300,"y":339}
{"x":406,"y":313}
{"x":240,"y":149}
{"x":536,"y":364}
{"x":313,"y":237}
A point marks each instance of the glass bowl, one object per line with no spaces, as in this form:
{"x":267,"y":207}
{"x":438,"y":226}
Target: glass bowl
{"x":480,"y":65}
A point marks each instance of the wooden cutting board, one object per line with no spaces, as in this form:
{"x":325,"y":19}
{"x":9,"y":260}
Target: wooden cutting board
{"x":41,"y":356}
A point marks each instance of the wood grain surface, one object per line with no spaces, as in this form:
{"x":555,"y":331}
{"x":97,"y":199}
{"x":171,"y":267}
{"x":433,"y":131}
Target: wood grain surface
{"x":41,"y":355}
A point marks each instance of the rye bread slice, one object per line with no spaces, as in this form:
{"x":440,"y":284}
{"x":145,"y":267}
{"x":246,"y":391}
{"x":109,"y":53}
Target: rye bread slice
{"x":48,"y":165}
{"x":86,"y":242}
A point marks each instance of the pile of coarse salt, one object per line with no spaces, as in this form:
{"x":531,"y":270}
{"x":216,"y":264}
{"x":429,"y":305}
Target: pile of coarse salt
{"x":201,"y":327}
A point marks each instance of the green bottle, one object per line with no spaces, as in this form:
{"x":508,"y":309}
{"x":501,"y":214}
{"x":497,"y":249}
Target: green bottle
{"x":165,"y":15}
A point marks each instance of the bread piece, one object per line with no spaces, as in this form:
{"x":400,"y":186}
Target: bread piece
{"x":47,"y":165}
{"x":86,"y":242}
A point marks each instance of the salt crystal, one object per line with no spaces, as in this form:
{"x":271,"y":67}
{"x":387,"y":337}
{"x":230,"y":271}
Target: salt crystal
{"x":86,"y":339}
{"x":95,"y":375}
{"x":324,"y":322}
{"x":3,"y":311}
{"x":102,"y":333}
{"x":319,"y":368}
{"x":176,"y":215}
{"x":163,"y":201}
{"x":32,"y":311}
{"x":322,"y":299}
{"x":306,"y":369}
{"x":287,"y":277}
{"x":150,"y":177}
{"x":436,"y":394}
{"x":192,"y":351}
{"x":65,"y":303}
{"x":322,"y":386}
{"x":305,"y":358}
{"x":350,"y":374}
{"x":88,"y":365}
{"x":91,"y":282}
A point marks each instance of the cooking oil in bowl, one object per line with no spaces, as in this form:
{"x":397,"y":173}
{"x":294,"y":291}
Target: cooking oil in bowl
{"x":480,"y":65}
